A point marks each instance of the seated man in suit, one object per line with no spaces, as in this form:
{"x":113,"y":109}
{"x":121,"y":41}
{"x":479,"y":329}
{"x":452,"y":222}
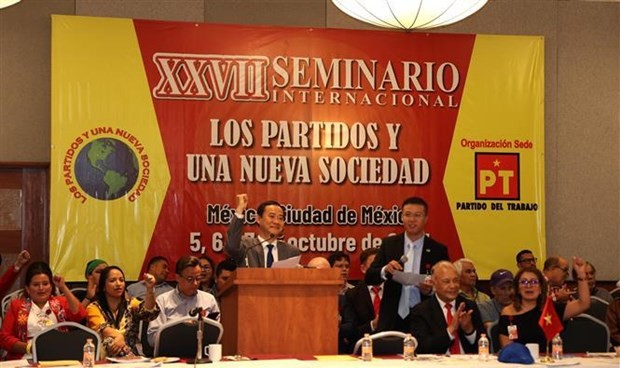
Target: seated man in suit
{"x":446,"y":322}
{"x":265,"y":248}
{"x":362,"y":303}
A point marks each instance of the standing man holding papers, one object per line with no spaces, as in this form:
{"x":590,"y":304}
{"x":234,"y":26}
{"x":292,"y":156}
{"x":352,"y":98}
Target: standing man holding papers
{"x":264,"y":249}
{"x":411,"y":251}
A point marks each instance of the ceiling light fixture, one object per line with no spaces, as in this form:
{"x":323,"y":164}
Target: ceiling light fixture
{"x":7,"y":3}
{"x":410,"y":14}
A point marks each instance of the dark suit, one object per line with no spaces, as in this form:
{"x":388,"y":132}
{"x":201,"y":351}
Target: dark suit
{"x":239,"y":248}
{"x":429,"y":327}
{"x":357,"y":314}
{"x":393,"y":248}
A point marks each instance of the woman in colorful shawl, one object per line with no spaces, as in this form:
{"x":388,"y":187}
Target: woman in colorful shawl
{"x":37,"y":309}
{"x":116,"y":317}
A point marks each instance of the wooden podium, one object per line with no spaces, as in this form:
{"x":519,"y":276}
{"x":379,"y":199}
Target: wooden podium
{"x":281,"y":311}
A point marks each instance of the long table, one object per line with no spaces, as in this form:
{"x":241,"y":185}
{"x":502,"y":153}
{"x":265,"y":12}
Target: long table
{"x":345,"y":361}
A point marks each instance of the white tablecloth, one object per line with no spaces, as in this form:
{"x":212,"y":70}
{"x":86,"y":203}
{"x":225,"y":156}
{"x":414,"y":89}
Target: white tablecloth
{"x":346,"y":362}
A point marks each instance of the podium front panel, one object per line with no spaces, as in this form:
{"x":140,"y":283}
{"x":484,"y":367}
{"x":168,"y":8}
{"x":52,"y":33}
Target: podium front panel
{"x":281,"y":311}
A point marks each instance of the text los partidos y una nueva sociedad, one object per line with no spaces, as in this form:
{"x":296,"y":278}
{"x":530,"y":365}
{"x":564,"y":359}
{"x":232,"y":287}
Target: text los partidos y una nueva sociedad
{"x":296,"y":169}
{"x":217,"y":214}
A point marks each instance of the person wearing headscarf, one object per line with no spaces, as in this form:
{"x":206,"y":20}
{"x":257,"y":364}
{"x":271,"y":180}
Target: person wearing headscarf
{"x":92,"y":273}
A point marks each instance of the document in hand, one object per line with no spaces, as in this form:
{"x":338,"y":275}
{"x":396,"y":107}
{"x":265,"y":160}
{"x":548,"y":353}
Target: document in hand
{"x":408,"y":278}
{"x":292,"y":262}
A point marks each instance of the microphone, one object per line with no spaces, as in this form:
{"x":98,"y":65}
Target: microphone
{"x":194,"y":312}
{"x":401,"y":261}
{"x":259,"y":243}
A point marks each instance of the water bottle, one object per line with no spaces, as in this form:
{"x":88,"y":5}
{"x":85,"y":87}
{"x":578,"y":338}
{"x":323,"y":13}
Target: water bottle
{"x":366,"y":348}
{"x":88,"y":358}
{"x":408,"y":347}
{"x":557,"y":351}
{"x":483,"y":347}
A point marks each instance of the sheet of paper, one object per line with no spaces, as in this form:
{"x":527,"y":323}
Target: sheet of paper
{"x":408,"y":278}
{"x":338,"y":358}
{"x":292,"y":262}
{"x":15,"y":363}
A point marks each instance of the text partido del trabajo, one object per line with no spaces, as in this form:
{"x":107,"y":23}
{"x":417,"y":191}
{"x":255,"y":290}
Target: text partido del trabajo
{"x":297,"y":169}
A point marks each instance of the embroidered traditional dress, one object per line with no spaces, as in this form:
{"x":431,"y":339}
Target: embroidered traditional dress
{"x":15,"y":327}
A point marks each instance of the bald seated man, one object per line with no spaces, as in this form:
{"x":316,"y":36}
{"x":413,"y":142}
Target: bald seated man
{"x":446,"y":322}
{"x":318,"y":262}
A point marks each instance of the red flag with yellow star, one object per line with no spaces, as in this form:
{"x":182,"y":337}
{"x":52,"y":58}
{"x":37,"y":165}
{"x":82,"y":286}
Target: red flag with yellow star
{"x":549,"y":320}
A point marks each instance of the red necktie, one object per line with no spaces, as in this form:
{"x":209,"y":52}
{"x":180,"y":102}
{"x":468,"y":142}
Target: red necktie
{"x":454,"y":345}
{"x":376,"y":300}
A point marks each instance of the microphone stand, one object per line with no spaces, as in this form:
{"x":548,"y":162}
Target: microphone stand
{"x":199,"y":359}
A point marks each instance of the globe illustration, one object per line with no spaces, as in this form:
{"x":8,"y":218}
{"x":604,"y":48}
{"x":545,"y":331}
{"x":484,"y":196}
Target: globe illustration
{"x":106,"y":168}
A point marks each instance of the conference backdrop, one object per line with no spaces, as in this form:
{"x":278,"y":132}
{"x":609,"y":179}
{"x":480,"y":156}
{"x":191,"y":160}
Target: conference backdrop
{"x":156,"y":126}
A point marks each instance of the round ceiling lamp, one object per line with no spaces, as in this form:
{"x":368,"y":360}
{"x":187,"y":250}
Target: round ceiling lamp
{"x":7,"y":3}
{"x":410,"y":14}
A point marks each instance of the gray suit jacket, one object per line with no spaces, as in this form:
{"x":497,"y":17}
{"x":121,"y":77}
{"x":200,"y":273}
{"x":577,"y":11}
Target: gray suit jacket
{"x":241,"y":247}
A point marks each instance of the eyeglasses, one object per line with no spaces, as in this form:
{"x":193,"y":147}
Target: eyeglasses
{"x":528,"y":260}
{"x":417,"y":215}
{"x":565,"y":269}
{"x":205,"y":267}
{"x":532,"y":282}
{"x":192,"y":279}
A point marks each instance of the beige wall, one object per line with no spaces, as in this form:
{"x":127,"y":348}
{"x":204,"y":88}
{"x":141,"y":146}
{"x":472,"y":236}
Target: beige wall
{"x":582,"y":117}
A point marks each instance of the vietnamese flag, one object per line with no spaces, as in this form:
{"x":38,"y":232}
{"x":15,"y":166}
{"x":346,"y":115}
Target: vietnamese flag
{"x":549,"y":320}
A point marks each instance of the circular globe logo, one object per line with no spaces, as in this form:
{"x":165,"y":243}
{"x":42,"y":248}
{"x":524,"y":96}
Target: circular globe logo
{"x":106,"y":168}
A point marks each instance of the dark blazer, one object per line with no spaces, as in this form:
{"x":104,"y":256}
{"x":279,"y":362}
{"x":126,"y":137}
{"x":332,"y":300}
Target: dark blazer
{"x":429,"y":326}
{"x":357,"y":313}
{"x":392,"y":248}
{"x":241,"y":247}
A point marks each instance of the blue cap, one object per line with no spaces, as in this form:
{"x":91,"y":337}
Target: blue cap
{"x":500,"y":277}
{"x":515,"y":353}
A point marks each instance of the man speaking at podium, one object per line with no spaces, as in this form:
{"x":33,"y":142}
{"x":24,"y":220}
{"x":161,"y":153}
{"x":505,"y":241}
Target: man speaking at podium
{"x":264,"y":249}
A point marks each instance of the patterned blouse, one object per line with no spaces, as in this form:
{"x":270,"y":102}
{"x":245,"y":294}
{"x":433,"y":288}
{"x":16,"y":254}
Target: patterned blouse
{"x":127,"y":324}
{"x":15,"y":325}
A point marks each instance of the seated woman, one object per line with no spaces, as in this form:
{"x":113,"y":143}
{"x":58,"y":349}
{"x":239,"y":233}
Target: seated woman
{"x":207,"y":274}
{"x":519,"y":320}
{"x":116,"y":317}
{"x":37,"y":309}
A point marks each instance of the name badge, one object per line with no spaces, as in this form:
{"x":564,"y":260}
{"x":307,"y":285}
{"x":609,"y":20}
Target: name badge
{"x":513,"y":334}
